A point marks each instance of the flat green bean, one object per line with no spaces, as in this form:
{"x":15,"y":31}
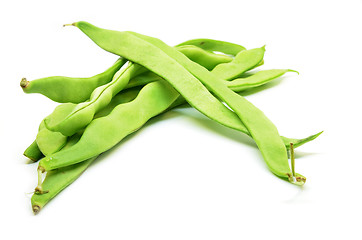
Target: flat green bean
{"x":257,"y":79}
{"x":65,"y":89}
{"x":207,"y":59}
{"x":70,"y":120}
{"x":215,"y":46}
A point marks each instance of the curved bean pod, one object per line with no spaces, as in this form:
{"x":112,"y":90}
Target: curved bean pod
{"x":65,"y":89}
{"x":212,"y":45}
{"x":215,"y":46}
{"x":243,"y":61}
{"x":257,"y":79}
{"x":207,"y":59}
{"x":170,"y":62}
{"x":70,"y":120}
{"x":105,"y":132}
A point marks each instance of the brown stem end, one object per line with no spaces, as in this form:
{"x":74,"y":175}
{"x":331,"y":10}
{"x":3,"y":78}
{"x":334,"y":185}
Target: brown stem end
{"x":36,"y":209}
{"x":24,"y":83}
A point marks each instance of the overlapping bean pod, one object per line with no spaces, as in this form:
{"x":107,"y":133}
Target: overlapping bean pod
{"x":49,"y":141}
{"x":188,"y":79}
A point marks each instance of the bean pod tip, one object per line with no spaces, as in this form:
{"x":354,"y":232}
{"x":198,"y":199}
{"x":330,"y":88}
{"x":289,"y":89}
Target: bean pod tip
{"x":24,"y":83}
{"x":36,"y":209}
{"x":298,"y":179}
{"x":291,"y":70}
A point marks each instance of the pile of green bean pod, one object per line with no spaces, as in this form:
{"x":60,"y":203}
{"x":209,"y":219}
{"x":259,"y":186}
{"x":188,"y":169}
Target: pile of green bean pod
{"x":149,"y":79}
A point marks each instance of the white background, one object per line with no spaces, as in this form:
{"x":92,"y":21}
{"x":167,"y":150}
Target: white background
{"x":183,"y":176}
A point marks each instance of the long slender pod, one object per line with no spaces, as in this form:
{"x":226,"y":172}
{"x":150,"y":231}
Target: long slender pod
{"x":173,"y":65}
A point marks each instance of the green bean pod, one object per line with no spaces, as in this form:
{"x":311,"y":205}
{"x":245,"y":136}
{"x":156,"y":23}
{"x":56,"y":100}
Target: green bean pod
{"x":70,"y":120}
{"x":257,"y":79}
{"x":103,"y":133}
{"x":243,"y":61}
{"x":65,"y":89}
{"x":212,"y":45}
{"x":207,"y":59}
{"x":173,"y":65}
